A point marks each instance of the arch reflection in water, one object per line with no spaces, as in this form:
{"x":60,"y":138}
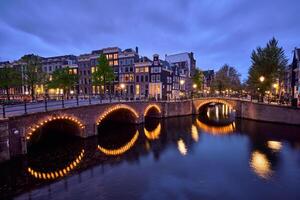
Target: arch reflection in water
{"x":216,"y":130}
{"x":260,"y":165}
{"x":120,"y":150}
{"x":153,"y":134}
{"x":56,"y":173}
{"x":274,"y":145}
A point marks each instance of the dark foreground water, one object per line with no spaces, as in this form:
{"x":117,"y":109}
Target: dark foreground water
{"x":205,"y":157}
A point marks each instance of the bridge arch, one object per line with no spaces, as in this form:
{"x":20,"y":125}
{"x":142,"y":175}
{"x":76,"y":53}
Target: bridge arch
{"x":52,"y":175}
{"x":34,"y":128}
{"x":201,"y":103}
{"x":153,"y":110}
{"x":129,"y":112}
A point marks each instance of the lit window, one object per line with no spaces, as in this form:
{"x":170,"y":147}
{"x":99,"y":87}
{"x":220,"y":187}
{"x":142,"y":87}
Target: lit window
{"x":115,"y":62}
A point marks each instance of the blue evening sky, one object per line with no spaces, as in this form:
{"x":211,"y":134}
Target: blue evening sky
{"x":217,"y":31}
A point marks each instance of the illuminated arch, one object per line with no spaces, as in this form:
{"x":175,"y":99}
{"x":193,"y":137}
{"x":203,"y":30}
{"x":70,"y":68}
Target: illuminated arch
{"x":157,"y":108}
{"x":48,"y":119}
{"x":120,"y":150}
{"x":216,"y":130}
{"x":57,"y":173}
{"x":208,"y":101}
{"x":153,"y":135}
{"x":114,"y":108}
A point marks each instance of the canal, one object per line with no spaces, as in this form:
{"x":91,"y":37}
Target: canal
{"x":210,"y":156}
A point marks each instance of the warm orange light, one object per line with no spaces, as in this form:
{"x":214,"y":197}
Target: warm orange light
{"x":114,"y":108}
{"x":181,"y":147}
{"x":121,"y":150}
{"x":216,"y":130}
{"x":260,"y":165}
{"x":153,"y":135}
{"x":152,"y":106}
{"x":55,"y":174}
{"x":42,"y":123}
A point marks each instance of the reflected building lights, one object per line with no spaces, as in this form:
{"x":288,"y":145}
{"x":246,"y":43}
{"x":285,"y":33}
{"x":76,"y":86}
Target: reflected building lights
{"x":217,"y":112}
{"x":216,"y":130}
{"x":260,"y":165}
{"x":121,"y":150}
{"x":57,"y":173}
{"x":181,"y":147}
{"x":274,"y":145}
{"x":195,"y":134}
{"x":153,"y":135}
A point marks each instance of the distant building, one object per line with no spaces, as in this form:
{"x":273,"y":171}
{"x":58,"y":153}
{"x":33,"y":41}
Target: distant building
{"x":295,"y":67}
{"x":186,"y":64}
{"x":50,"y":64}
{"x":142,"y":74}
{"x":160,"y":86}
{"x":87,"y":64}
{"x":209,"y":76}
{"x":127,"y":58}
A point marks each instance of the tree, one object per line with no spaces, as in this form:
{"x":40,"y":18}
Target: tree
{"x":63,"y":79}
{"x":198,"y":79}
{"x":227,"y":78}
{"x":33,"y":73}
{"x":103,"y":73}
{"x":10,"y":77}
{"x":268,"y":62}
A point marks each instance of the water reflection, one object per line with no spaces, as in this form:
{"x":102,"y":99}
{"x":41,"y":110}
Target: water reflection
{"x":127,"y":160}
{"x":260,"y":164}
{"x":181,"y":147}
{"x":218,"y":120}
{"x":150,"y":132}
{"x":122,"y":149}
{"x":56,"y":173}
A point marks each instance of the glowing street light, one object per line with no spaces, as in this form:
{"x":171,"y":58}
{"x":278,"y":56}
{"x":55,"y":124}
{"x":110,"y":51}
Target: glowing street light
{"x":261,"y":79}
{"x":182,"y":82}
{"x":195,"y":86}
{"x":122,"y":85}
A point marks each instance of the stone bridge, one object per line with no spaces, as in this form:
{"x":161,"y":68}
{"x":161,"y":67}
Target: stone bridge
{"x":15,"y":132}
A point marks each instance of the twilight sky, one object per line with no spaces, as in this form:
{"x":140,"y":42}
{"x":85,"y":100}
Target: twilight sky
{"x":217,"y":31}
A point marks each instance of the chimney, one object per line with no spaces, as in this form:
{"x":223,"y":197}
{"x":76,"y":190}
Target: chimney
{"x":137,"y":50}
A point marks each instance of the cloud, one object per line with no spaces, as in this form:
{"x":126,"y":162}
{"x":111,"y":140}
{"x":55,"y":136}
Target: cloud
{"x":217,"y":31}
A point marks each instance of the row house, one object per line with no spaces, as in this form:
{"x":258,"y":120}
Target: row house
{"x":127,"y":59}
{"x":50,"y":64}
{"x":186,"y":66}
{"x":160,"y":86}
{"x":142,"y":69}
{"x":295,"y":75}
{"x":209,"y":76}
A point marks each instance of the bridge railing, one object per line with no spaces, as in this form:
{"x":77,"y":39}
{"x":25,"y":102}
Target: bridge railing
{"x":60,"y":102}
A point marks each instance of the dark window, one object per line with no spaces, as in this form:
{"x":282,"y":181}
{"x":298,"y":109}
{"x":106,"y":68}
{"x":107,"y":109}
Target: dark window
{"x":137,"y":79}
{"x":142,"y":78}
{"x":146,"y":78}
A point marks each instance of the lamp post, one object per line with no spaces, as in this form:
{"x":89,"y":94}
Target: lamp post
{"x":261,"y":79}
{"x":122,"y":86}
{"x":194,"y":89}
{"x":181,"y":85}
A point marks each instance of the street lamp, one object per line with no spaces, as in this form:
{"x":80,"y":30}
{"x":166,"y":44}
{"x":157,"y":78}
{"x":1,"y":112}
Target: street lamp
{"x":181,"y":82}
{"x":122,"y":86}
{"x":194,"y":88}
{"x":261,"y":79}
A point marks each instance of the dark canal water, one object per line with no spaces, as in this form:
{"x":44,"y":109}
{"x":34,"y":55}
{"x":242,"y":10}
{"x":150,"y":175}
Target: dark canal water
{"x":212,"y":156}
